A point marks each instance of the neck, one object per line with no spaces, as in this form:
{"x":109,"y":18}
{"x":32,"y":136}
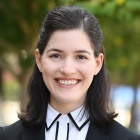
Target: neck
{"x":65,"y":108}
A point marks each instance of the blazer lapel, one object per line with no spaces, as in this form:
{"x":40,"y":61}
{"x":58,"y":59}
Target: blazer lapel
{"x":97,"y":133}
{"x":34,"y":133}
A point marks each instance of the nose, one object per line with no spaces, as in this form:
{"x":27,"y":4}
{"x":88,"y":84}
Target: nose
{"x":68,"y":67}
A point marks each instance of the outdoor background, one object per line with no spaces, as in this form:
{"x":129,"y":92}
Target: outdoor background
{"x":20,"y":22}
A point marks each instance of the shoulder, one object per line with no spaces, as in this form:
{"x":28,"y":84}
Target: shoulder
{"x":120,"y":132}
{"x":11,"y":132}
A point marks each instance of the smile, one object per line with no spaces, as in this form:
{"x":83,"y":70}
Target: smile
{"x":67,"y":82}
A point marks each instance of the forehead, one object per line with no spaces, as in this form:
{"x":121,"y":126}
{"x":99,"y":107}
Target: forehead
{"x":69,"y":39}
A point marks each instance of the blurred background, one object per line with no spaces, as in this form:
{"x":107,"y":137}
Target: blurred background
{"x":20,"y":21}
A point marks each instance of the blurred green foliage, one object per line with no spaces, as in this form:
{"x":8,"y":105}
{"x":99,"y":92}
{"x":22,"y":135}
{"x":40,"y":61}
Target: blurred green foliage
{"x":11,"y":90}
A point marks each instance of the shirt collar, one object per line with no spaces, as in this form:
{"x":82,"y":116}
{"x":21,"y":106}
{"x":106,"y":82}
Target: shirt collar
{"x":78,"y":117}
{"x":51,"y":115}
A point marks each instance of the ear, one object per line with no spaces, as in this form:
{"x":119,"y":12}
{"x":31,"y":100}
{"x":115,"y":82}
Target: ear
{"x":38,"y":60}
{"x":99,"y":62}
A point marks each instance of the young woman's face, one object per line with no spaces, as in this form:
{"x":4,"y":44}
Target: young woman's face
{"x":68,"y":67}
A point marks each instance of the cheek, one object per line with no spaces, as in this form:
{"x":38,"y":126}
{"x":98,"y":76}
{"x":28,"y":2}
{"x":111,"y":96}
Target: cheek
{"x":47,"y":74}
{"x":88,"y":70}
{"x":88,"y":76}
{"x":46,"y":66}
{"x":49,"y":69}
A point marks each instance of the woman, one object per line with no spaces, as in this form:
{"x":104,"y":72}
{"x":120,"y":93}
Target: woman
{"x":67,"y":93}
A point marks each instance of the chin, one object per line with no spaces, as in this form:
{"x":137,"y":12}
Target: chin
{"x":67,"y":101}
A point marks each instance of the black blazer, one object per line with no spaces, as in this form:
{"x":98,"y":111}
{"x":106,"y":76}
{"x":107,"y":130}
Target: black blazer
{"x":115,"y":131}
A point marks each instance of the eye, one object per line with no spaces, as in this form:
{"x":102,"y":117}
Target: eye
{"x":81,"y":57}
{"x":55,"y":55}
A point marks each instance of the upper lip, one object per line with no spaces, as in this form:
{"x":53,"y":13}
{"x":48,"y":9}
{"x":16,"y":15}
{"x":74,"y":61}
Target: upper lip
{"x":66,"y":78}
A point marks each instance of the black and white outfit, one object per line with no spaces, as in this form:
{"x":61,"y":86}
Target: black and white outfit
{"x":73,"y":126}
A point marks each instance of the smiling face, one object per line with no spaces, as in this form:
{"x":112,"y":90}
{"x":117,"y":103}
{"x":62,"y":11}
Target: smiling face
{"x":68,"y":66}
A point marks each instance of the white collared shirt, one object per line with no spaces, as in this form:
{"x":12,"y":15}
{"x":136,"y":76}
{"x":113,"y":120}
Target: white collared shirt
{"x":62,"y":127}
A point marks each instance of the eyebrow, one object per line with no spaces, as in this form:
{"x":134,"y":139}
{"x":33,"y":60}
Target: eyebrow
{"x":82,"y":51}
{"x":56,"y":50}
{"x":77,"y":51}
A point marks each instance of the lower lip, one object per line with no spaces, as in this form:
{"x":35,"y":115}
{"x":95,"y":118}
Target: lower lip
{"x":69,"y":86}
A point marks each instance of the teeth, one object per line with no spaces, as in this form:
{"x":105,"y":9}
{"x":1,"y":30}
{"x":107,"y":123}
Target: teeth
{"x":67,"y":82}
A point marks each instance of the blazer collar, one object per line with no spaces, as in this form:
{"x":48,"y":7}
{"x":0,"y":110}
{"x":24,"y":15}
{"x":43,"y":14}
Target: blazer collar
{"x":97,"y":132}
{"x":38,"y":133}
